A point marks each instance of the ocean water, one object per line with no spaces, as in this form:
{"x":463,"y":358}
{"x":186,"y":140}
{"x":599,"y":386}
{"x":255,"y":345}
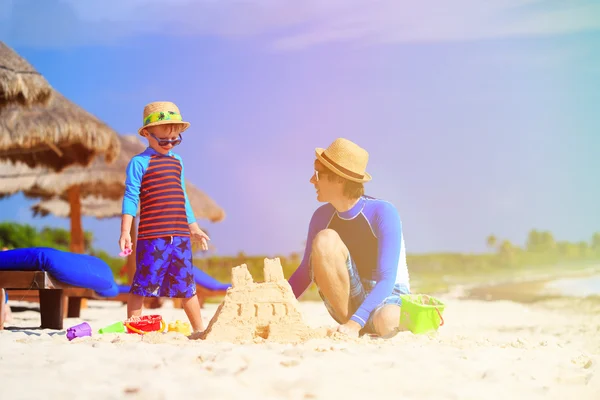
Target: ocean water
{"x":577,"y":287}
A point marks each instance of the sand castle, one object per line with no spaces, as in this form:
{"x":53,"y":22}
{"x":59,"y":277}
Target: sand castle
{"x":254,"y":311}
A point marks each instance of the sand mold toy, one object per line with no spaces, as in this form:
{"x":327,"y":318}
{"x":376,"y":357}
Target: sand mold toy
{"x":145,"y":324}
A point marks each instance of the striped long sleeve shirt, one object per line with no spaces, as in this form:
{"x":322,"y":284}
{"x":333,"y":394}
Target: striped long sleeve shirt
{"x":156,"y":183}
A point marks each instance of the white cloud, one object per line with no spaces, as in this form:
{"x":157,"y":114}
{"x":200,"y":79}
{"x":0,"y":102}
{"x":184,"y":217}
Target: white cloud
{"x":292,"y":24}
{"x":441,"y":21}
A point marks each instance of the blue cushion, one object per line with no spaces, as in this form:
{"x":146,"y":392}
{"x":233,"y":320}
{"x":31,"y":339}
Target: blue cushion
{"x":203,"y":279}
{"x":74,"y":269}
{"x":124,"y":288}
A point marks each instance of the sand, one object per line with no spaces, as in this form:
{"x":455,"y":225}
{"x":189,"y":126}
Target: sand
{"x":486,"y":350}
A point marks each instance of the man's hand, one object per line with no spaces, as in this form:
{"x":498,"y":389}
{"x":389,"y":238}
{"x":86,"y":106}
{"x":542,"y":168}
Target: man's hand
{"x":199,"y":236}
{"x":350,"y":328}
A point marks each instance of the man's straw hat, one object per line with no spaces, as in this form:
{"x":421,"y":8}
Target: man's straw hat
{"x":160,"y":113}
{"x":346,"y":159}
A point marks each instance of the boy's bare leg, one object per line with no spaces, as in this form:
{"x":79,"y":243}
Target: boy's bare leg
{"x":191,"y":306}
{"x":134,"y":305}
{"x":3,"y":306}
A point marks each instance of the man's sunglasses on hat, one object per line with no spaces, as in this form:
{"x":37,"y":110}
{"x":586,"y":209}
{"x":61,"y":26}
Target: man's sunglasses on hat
{"x":164,"y":142}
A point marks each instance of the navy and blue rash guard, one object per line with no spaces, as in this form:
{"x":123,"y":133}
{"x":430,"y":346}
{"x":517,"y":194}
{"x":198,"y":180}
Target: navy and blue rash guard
{"x":372,"y":232}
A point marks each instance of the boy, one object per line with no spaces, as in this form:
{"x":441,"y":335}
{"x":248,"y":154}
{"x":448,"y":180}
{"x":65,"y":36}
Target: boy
{"x":167,"y":224}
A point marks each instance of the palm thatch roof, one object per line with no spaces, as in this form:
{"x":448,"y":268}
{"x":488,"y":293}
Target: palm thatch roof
{"x":19,"y":81}
{"x":99,"y":181}
{"x":55,"y":135}
{"x":90,"y":207}
{"x":204,"y":207}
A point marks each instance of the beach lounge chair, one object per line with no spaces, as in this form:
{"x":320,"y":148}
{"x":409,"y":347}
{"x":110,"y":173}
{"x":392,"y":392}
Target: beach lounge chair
{"x":61,"y":279}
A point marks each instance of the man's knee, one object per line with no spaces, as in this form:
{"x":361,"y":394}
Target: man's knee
{"x":326,"y":242}
{"x":386,"y":319}
{"x":328,"y":256}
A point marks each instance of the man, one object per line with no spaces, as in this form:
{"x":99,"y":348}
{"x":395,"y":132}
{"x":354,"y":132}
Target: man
{"x":355,"y":250}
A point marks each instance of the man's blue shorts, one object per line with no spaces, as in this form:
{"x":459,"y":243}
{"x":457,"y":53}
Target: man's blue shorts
{"x":164,"y":268}
{"x":359,"y":290}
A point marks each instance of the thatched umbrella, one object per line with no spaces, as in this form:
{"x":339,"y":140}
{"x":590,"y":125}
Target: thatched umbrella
{"x":55,"y":135}
{"x":101,"y":208}
{"x":19,"y":81}
{"x":92,"y":206}
{"x":99,"y":179}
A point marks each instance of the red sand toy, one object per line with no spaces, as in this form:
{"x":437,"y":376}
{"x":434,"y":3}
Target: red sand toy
{"x":145,"y":324}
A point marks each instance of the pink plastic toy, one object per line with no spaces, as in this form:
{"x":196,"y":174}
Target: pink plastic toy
{"x":125,"y":252}
{"x":80,"y":330}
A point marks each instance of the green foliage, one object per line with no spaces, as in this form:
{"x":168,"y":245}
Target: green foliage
{"x":540,"y":250}
{"x":433,"y":271}
{"x":21,"y":235}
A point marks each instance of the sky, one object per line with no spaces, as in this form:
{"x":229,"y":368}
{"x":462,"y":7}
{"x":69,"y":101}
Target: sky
{"x":479,"y":117}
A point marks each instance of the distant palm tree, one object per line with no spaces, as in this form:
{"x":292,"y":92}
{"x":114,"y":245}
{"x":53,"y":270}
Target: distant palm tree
{"x":533,"y":240}
{"x":492,"y":241}
{"x":596,"y":241}
{"x":540,"y":241}
{"x":507,"y":252}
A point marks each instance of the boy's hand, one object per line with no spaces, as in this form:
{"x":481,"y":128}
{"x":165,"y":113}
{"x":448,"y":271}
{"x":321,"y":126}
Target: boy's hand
{"x":199,"y":236}
{"x":125,"y":241}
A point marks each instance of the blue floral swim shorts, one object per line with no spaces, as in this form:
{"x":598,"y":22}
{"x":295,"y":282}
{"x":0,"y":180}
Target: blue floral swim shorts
{"x":164,"y":268}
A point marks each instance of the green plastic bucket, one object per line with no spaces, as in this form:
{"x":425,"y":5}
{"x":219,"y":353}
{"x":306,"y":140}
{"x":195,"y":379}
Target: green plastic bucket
{"x":421,"y":313}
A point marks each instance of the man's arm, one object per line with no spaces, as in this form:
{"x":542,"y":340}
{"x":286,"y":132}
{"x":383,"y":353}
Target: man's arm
{"x":388,"y":229}
{"x":301,"y":279}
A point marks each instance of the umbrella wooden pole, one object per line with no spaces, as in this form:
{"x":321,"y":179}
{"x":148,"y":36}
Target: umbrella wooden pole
{"x":77,"y":239}
{"x":77,"y":244}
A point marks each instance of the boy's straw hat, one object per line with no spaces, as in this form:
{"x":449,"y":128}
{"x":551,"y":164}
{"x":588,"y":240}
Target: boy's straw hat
{"x":346,"y":159}
{"x":160,"y":113}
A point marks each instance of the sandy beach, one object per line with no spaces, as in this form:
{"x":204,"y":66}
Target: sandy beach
{"x":485,"y":350}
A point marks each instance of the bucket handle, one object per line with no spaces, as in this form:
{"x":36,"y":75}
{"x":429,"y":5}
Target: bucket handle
{"x":441,"y":318}
{"x":141,"y":332}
